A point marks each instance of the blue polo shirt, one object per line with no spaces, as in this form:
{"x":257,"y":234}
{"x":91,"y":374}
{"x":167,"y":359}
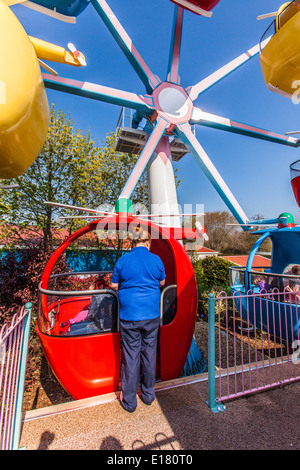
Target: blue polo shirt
{"x":138,"y":274}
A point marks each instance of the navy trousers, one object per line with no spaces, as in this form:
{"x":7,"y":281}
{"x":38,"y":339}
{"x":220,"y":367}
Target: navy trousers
{"x":139,"y":360}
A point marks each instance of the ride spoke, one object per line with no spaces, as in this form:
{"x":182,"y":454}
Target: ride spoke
{"x":98,"y":92}
{"x":185,"y":133}
{"x":217,"y":122}
{"x":173,"y":66}
{"x":148,"y":78}
{"x":208,"y":82}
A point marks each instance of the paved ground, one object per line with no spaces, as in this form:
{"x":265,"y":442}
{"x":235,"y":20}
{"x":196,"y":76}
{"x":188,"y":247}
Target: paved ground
{"x":179,"y":419}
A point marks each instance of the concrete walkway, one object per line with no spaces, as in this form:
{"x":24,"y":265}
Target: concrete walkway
{"x":179,"y":419}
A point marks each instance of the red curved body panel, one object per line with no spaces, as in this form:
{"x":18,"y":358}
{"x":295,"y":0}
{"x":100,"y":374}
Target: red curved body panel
{"x":176,"y":337}
{"x":85,"y":366}
{"x":89,"y":365}
{"x":205,"y":4}
{"x":295,"y":182}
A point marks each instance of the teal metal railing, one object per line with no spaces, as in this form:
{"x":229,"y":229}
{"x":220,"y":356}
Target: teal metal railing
{"x":14,"y":340}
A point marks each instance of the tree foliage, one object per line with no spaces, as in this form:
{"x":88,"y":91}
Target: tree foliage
{"x":212,"y":272}
{"x":226,"y":237}
{"x":20,"y":274}
{"x":70,"y":169}
{"x":212,"y":275}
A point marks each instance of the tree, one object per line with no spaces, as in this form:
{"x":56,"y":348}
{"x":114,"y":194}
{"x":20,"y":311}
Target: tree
{"x":212,"y":272}
{"x":225,"y":236}
{"x":20,"y":275}
{"x":50,"y":178}
{"x":220,"y":233}
{"x":70,"y":169}
{"x":212,"y":275}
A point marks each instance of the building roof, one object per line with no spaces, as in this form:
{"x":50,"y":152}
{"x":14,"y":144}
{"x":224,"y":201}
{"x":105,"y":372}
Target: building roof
{"x":241,"y":260}
{"x":202,"y":249}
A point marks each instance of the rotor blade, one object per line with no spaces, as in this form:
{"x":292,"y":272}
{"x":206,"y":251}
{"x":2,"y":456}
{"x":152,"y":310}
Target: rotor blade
{"x":293,"y":132}
{"x":201,"y":231}
{"x":239,"y":225}
{"x":76,"y":208}
{"x":208,"y":82}
{"x":148,"y":78}
{"x":217,"y":122}
{"x":174,"y":54}
{"x":78,"y":56}
{"x":48,"y":12}
{"x":264,"y":222}
{"x":185,"y":133}
{"x":170,"y":215}
{"x":138,"y":216}
{"x":81,"y":217}
{"x":9,"y":186}
{"x":98,"y":92}
{"x":46,"y":67}
{"x":145,"y":156}
{"x":266,"y":15}
{"x":250,"y":225}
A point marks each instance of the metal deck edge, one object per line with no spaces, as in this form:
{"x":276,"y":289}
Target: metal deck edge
{"x":107,"y":398}
{"x":110,"y":397}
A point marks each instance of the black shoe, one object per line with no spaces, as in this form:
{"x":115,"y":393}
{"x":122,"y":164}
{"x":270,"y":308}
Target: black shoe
{"x":148,"y":403}
{"x":127,"y":409}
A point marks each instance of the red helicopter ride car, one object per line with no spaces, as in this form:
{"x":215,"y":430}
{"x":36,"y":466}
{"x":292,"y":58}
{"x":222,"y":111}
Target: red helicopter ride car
{"x":86,"y":360}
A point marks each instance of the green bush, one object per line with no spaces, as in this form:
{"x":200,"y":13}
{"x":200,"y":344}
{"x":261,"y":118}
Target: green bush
{"x":212,"y":274}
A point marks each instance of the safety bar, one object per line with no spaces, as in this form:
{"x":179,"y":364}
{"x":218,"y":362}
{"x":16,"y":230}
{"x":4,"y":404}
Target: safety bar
{"x":101,"y":291}
{"x":83,"y":293}
{"x":76,"y":292}
{"x":251,"y":273}
{"x":266,"y":273}
{"x":78,"y":273}
{"x":75,"y":273}
{"x":269,"y":274}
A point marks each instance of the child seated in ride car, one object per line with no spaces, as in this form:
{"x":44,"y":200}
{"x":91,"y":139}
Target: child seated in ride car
{"x":293,"y":286}
{"x":261,"y":282}
{"x":294,"y":291}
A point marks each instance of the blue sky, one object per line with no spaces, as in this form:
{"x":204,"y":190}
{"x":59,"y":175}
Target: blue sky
{"x":257,"y":172}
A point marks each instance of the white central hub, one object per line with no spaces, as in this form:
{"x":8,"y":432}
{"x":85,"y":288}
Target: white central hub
{"x":173,"y":102}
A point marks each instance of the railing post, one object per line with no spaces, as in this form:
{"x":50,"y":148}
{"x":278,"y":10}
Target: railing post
{"x":21,"y":378}
{"x":214,"y":406}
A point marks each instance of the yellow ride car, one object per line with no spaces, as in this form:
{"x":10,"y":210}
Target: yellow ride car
{"x":23,"y":101}
{"x":24,"y":110}
{"x":280,"y":58}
